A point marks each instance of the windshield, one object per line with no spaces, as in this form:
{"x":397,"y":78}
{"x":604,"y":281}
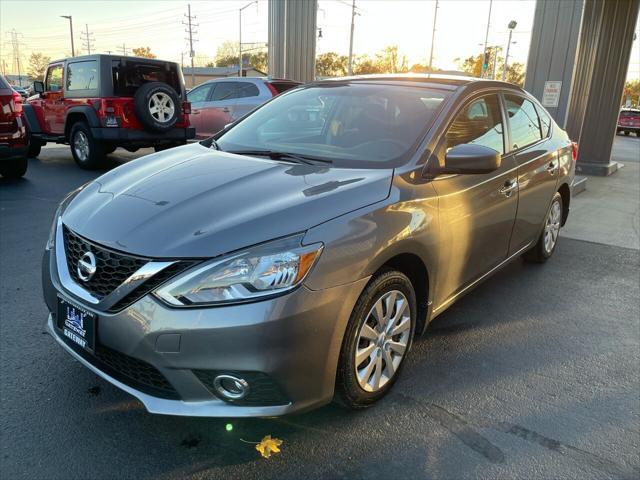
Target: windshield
{"x":354,"y":125}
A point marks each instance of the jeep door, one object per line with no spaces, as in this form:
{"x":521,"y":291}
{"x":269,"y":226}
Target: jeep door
{"x":53,"y":100}
{"x":198,"y":97}
{"x":476,"y":211}
{"x":218,"y":110}
{"x":538,"y":167}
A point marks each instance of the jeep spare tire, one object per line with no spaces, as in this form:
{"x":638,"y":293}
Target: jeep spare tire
{"x":157,"y":106}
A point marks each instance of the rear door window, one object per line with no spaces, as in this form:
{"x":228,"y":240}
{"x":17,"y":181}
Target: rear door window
{"x":225,"y":91}
{"x":523,"y":121}
{"x":82,"y":75}
{"x":479,"y":123}
{"x":247,"y":90}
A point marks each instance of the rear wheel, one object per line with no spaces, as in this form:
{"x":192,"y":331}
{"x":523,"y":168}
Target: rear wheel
{"x":548,"y":239}
{"x":109,"y":149}
{"x":34,"y":149}
{"x":15,"y":168}
{"x":377,"y":340}
{"x":87,"y":152}
{"x":627,"y":132}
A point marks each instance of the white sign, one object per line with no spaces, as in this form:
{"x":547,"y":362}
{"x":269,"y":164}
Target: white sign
{"x":551,"y":93}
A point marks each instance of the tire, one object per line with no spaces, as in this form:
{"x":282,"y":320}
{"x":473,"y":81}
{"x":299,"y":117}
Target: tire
{"x":15,"y":168}
{"x":87,"y":152}
{"x":34,"y":149}
{"x":166,"y":102}
{"x":541,"y":252}
{"x":349,"y":385}
{"x":627,"y":132}
{"x":109,"y":149}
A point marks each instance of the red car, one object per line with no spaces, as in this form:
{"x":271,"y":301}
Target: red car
{"x":629,"y":121}
{"x":97,"y":103}
{"x":13,"y":135}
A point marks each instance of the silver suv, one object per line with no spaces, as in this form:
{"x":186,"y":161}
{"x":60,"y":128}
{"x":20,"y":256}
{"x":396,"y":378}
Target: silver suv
{"x":298,"y":252}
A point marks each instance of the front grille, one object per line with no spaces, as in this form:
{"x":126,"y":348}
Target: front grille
{"x":263,"y":391}
{"x":112,"y":268}
{"x":128,"y":370}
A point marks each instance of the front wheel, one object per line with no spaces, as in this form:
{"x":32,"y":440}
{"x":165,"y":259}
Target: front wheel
{"x":548,"y":239}
{"x":87,"y":152}
{"x":377,"y":340}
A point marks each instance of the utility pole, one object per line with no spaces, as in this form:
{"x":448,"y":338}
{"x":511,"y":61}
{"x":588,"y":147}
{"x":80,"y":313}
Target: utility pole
{"x":16,"y":53}
{"x":87,"y":39}
{"x":191,"y":33}
{"x":124,"y":50}
{"x":433,"y":36}
{"x":485,"y":66}
{"x":353,"y":25}
{"x":240,"y":37}
{"x":511,"y":26}
{"x":70,"y":18}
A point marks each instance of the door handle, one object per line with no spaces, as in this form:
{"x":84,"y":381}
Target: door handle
{"x":509,"y":187}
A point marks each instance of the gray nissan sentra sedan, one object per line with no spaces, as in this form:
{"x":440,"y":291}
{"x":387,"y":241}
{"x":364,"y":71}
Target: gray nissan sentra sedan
{"x":296,"y":254}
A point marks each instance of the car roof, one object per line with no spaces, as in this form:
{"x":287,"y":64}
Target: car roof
{"x":114,"y":57}
{"x":249,"y":79}
{"x":446,"y":81}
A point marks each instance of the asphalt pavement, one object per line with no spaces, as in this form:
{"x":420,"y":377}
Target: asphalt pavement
{"x":534,"y":375}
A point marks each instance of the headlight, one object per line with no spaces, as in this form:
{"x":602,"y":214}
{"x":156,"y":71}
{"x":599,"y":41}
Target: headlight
{"x":268,"y":269}
{"x":59,"y":211}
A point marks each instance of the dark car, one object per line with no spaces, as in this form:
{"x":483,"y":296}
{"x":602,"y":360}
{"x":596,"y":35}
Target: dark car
{"x":97,"y":103}
{"x":629,"y":121}
{"x":13,"y":135}
{"x":298,"y":252}
{"x":216,"y":103}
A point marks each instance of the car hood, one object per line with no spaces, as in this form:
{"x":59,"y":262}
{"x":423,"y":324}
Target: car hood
{"x":192,"y":201}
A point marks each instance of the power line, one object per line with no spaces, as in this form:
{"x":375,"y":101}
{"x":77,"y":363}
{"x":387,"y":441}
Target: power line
{"x":87,"y":39}
{"x":123,"y":49}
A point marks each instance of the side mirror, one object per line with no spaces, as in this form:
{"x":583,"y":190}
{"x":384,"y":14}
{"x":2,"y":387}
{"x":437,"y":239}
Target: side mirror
{"x":468,"y":158}
{"x":38,"y":87}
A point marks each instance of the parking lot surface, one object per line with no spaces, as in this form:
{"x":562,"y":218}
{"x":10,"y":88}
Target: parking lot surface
{"x":535,"y":374}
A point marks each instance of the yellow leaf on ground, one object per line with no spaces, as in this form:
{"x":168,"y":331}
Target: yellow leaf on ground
{"x":268,"y":446}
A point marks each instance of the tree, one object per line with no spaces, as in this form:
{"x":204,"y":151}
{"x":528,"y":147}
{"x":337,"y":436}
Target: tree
{"x":473,"y":66}
{"x":420,"y":68}
{"x":331,"y":64}
{"x":391,"y":61}
{"x":144,"y":52}
{"x":364,"y":65}
{"x":37,"y":66}
{"x":631,"y":89}
{"x":227,"y":56}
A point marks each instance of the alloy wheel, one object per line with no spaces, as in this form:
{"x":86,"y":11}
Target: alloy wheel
{"x":552,"y":226}
{"x":382,"y":341}
{"x":81,"y":146}
{"x":161,"y":107}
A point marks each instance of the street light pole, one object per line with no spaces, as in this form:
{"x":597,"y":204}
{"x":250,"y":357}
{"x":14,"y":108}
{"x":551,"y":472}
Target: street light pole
{"x":240,"y":32}
{"x":70,"y":18}
{"x":433,"y":36}
{"x":511,"y":26}
{"x":353,"y":21}
{"x":486,"y":40}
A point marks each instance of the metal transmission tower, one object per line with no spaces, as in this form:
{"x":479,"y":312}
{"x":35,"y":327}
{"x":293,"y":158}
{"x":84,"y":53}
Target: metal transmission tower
{"x":87,"y":39}
{"x":15,"y":44}
{"x":190,"y":30}
{"x":123,"y":49}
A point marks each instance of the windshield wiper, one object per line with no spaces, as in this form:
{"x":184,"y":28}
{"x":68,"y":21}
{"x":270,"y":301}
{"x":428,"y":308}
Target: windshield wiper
{"x":210,"y":143}
{"x":274,"y":155}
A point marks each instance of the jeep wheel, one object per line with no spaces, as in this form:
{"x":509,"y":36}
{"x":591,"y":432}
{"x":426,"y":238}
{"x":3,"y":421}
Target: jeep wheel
{"x":15,"y":168}
{"x":109,"y":148}
{"x":86,"y":151}
{"x":157,"y":106}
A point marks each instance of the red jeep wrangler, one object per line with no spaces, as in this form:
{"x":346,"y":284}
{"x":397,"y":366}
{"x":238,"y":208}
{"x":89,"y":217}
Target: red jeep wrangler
{"x":96,"y":103}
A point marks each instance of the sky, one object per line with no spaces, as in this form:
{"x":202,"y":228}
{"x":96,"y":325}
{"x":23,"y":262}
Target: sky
{"x":117,"y":24}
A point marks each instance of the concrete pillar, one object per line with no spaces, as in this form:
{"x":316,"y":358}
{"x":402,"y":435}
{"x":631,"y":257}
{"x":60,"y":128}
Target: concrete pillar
{"x":554,"y":40}
{"x":604,"y":48}
{"x":292,"y":39}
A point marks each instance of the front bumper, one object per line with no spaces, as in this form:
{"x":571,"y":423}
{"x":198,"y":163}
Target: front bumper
{"x":293,"y":340}
{"x":134,"y":136}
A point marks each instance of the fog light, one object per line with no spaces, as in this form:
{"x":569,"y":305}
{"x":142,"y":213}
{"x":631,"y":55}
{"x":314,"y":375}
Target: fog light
{"x":230,"y":387}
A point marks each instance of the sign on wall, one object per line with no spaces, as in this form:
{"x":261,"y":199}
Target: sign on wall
{"x":551,"y":93}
